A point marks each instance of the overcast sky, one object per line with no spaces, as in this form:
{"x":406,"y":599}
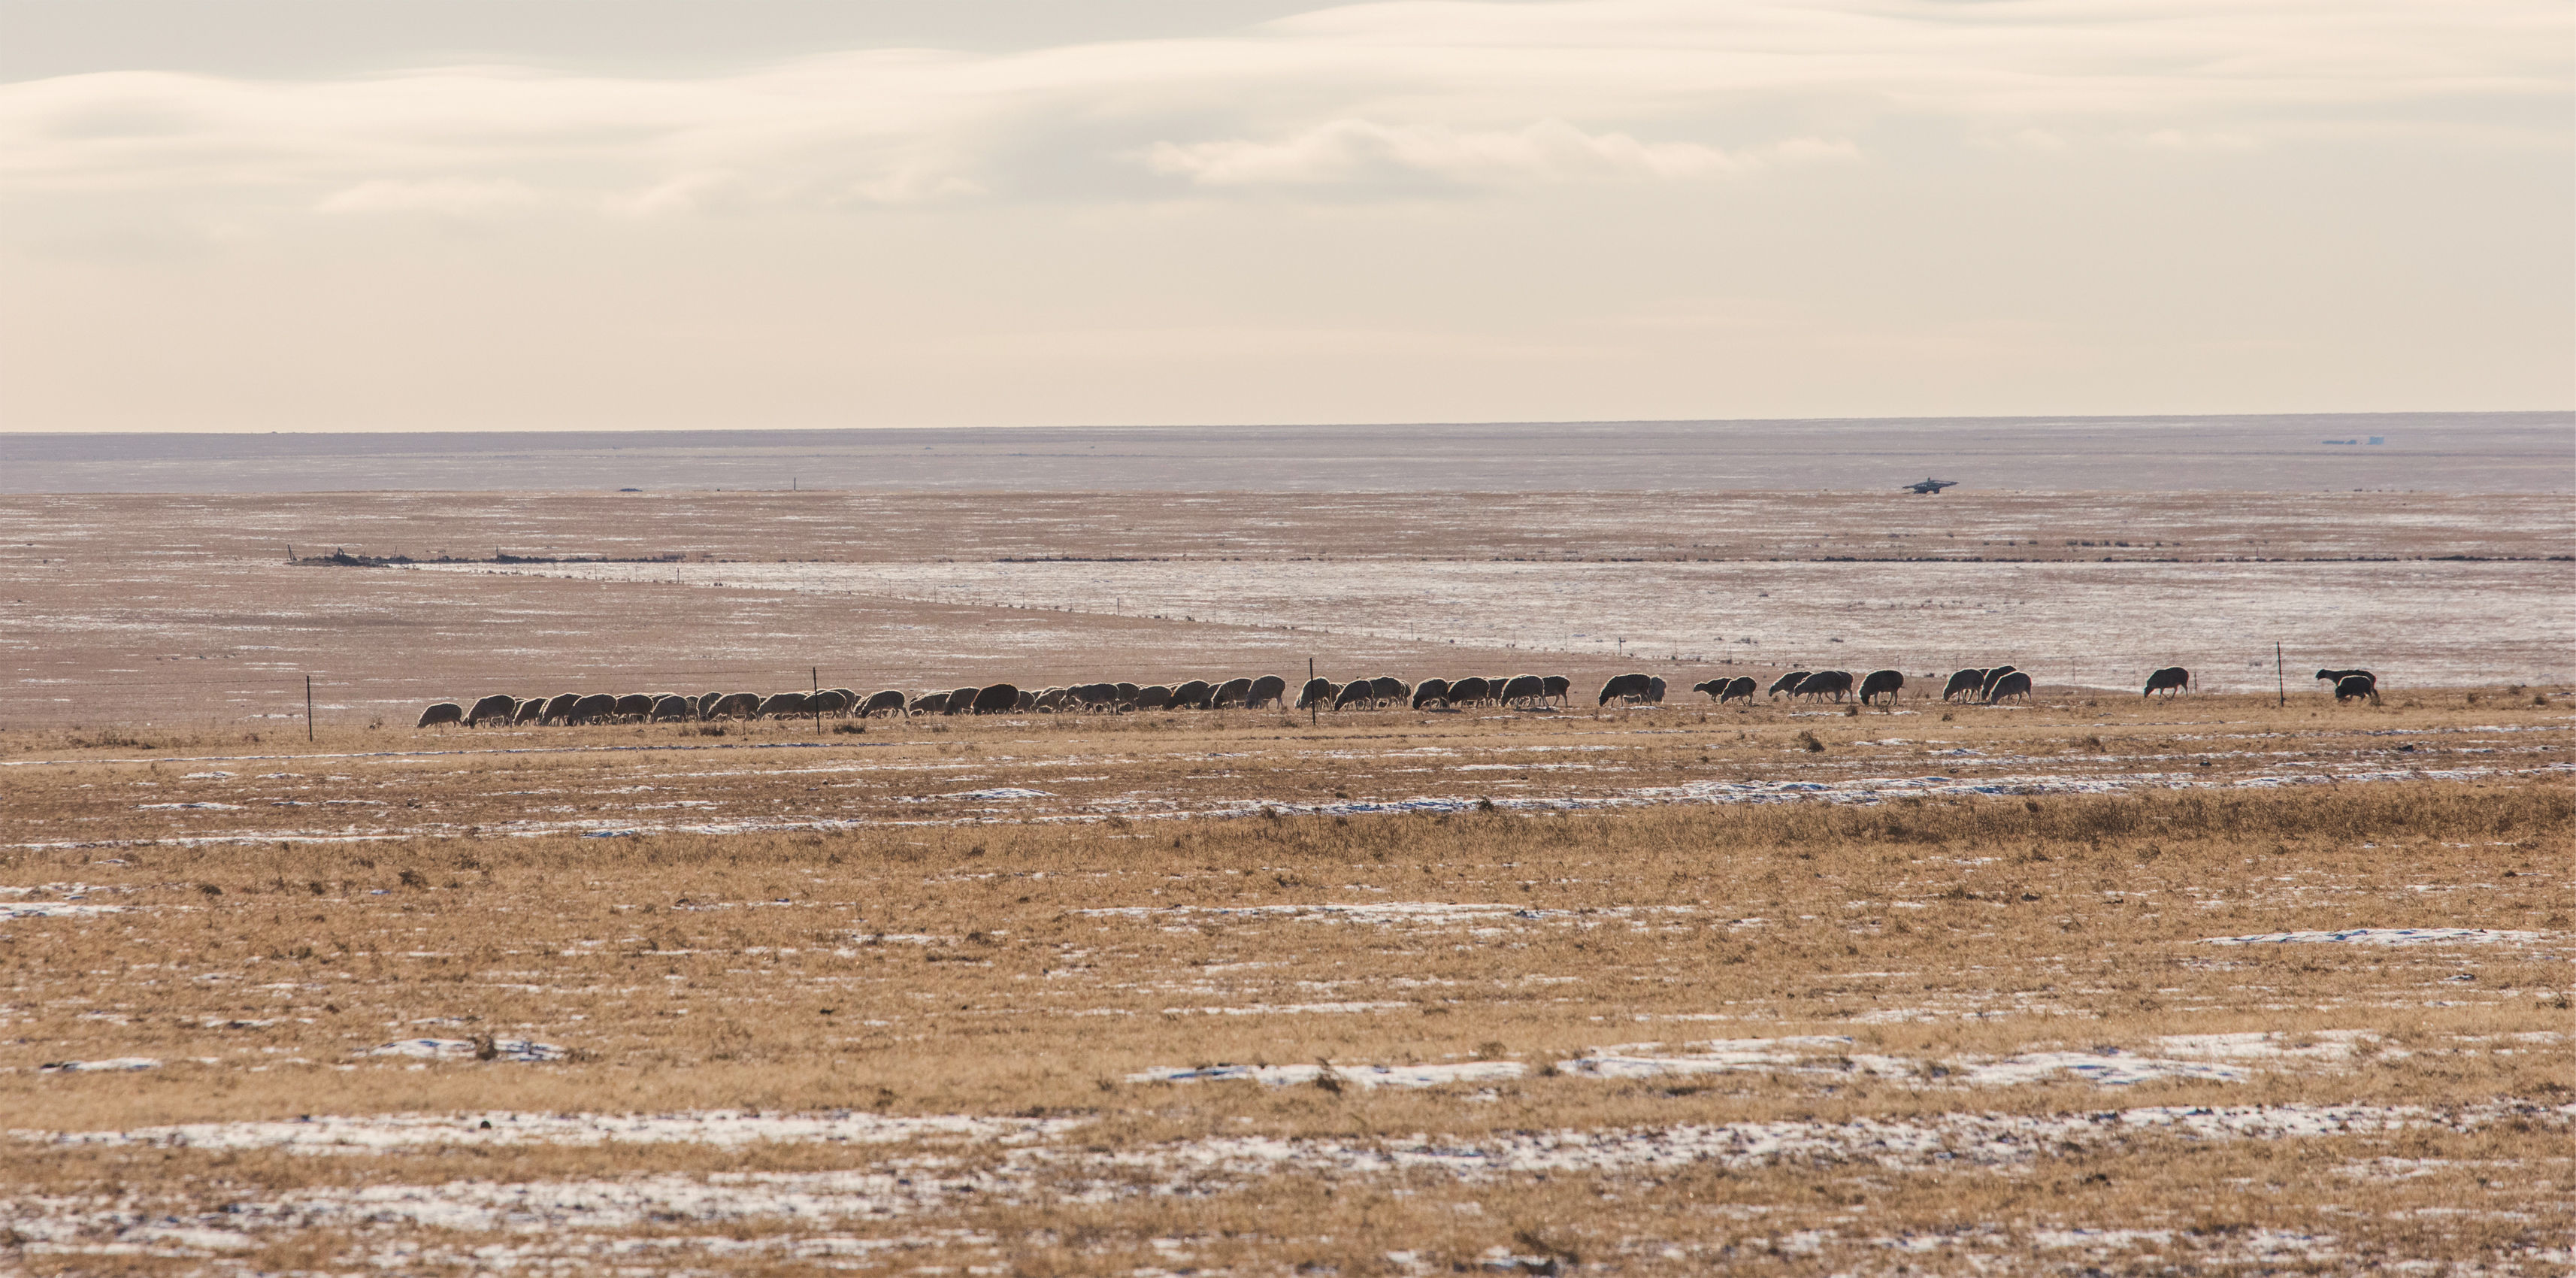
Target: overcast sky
{"x":527,"y":214}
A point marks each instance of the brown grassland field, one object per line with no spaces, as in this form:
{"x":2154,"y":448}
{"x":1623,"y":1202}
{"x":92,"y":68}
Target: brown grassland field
{"x":651,"y":999}
{"x":2100,"y":984}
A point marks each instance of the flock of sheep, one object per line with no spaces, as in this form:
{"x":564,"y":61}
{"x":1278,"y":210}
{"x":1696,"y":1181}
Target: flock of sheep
{"x":1986,"y":686}
{"x":1002,"y":698}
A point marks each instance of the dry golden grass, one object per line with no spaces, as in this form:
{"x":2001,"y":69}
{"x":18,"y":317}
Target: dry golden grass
{"x":929,"y":958}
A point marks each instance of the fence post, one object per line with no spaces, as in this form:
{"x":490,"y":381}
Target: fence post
{"x":815,"y":673}
{"x":2280,"y":678}
{"x":1311,"y":711}
{"x":308,"y":707}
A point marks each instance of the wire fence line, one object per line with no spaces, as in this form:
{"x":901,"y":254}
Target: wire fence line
{"x":340,"y":698}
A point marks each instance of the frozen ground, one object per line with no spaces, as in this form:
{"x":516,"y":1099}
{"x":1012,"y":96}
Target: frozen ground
{"x":142,"y":610}
{"x":2423,"y":623}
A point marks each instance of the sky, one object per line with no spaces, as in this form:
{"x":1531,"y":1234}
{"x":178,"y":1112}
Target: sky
{"x":307,"y":215}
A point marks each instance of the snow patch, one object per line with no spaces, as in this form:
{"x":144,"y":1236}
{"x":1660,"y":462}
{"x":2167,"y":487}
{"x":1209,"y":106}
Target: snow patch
{"x":1274,"y":1009}
{"x":1361,"y":1076}
{"x":2109,"y":1067}
{"x":2381,"y":936}
{"x":458,"y":1049}
{"x":378,"y":1133}
{"x":113,"y":1065}
{"x":1645,"y":1060}
{"x":55,"y":910}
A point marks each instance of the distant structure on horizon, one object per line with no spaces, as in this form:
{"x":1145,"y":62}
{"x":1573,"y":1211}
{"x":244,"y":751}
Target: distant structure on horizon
{"x":1931,"y":485}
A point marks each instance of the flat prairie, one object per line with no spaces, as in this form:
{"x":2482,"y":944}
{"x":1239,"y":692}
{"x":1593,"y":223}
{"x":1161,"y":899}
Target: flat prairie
{"x":162,"y":609}
{"x":2247,"y":980}
{"x":2100,"y":984}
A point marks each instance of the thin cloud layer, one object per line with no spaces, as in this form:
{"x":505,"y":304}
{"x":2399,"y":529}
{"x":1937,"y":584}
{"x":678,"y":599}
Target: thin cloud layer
{"x":1371,"y":99}
{"x":1413,"y":210}
{"x":1368,"y":154}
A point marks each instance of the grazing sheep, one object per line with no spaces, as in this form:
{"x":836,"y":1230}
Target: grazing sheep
{"x":671,"y":709}
{"x":1788,"y":683}
{"x":531,"y":710}
{"x":559,"y":709}
{"x":1317,"y":691}
{"x":2169,"y":681}
{"x":1231,"y":693}
{"x":634,"y":707}
{"x":835,"y":701}
{"x":499,"y":707}
{"x":1887,"y":681}
{"x":1723,"y":689}
{"x":1268,"y":690}
{"x":1154,"y":696}
{"x":1387,"y":690}
{"x":1126,"y":693}
{"x":1192,"y":695}
{"x":1525,"y":690}
{"x":1971,"y":682}
{"x":598,"y":707}
{"x":707,"y":702}
{"x":961,"y":700}
{"x":2015,"y":683}
{"x":443,"y":712}
{"x":1430,"y":692}
{"x":1655,"y":690}
{"x":928,"y":703}
{"x":2355,"y":686}
{"x":1469,"y":691}
{"x":1626,"y":687}
{"x":998,"y":698}
{"x":781,"y":705}
{"x":1826,"y":683}
{"x":2336,"y":677}
{"x":1993,"y":677}
{"x":1558,"y":686}
{"x":1358,"y":692}
{"x":888,"y":702}
{"x":734,"y":705}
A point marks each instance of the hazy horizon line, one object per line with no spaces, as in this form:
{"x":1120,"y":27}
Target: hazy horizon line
{"x":7,"y":432}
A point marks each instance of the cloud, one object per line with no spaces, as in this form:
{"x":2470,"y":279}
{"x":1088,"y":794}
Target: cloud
{"x":1366,"y":153}
{"x":451,"y":196}
{"x":1362,"y":98}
